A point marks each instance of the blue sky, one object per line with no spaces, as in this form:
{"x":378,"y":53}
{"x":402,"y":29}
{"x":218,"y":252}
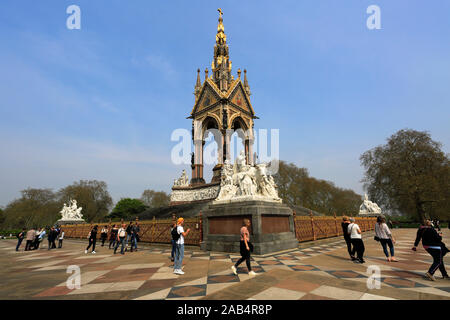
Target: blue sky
{"x":102,"y":102}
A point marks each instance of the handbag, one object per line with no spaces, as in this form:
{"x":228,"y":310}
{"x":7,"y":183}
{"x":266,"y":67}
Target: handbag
{"x":376,"y":237}
{"x":250,"y":246}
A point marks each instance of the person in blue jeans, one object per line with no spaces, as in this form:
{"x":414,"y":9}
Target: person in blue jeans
{"x":129,"y":231}
{"x":20,"y":238}
{"x":121,"y":234}
{"x":179,"y":252}
{"x":135,"y":236}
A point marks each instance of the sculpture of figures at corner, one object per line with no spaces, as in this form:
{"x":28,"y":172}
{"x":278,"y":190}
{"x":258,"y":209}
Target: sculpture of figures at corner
{"x":368,"y":206}
{"x":71,"y":211}
{"x":240,"y":160}
{"x":246,"y":182}
{"x":266,"y":183}
{"x":183,"y":181}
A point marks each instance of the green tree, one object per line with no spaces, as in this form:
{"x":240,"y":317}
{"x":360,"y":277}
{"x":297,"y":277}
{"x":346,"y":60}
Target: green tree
{"x":155,"y":199}
{"x":35,"y":208}
{"x":2,"y":217}
{"x":92,"y":196}
{"x":128,"y":208}
{"x":410,"y":174}
{"x":297,"y":188}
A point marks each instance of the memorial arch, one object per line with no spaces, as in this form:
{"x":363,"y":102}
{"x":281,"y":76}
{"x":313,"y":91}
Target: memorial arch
{"x":222,"y":106}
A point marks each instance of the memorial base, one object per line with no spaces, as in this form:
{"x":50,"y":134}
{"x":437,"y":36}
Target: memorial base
{"x":67,"y":222}
{"x":272,"y":226}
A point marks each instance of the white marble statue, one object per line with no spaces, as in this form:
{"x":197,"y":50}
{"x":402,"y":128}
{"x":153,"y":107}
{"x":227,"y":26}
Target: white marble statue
{"x":245,"y":182}
{"x":368,"y":206}
{"x":183,"y":181}
{"x":71,"y":211}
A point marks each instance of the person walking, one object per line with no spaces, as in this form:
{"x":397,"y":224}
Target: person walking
{"x":348,"y":240}
{"x":355,"y":235}
{"x":129,"y":231}
{"x":20,"y":237}
{"x":135,"y":233}
{"x":104,"y":235}
{"x":52,"y":235}
{"x":174,"y":234}
{"x":385,"y":237}
{"x":179,"y":251}
{"x":92,"y":239}
{"x":246,"y":248}
{"x":121,"y":234}
{"x":432,"y":243}
{"x":113,"y":236}
{"x":60,"y":238}
{"x":30,"y":238}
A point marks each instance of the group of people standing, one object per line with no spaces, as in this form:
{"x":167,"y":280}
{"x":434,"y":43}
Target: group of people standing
{"x":120,"y":235}
{"x":35,"y":236}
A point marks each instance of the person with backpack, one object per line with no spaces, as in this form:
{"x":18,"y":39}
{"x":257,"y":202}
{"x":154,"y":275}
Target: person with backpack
{"x":20,"y":236}
{"x":113,"y":236}
{"x":432,"y":243}
{"x":348,"y":240}
{"x":121,"y":234}
{"x":174,"y":234}
{"x":92,"y":239}
{"x":104,"y":235}
{"x":246,"y":248}
{"x":358,"y":245}
{"x":179,"y":251}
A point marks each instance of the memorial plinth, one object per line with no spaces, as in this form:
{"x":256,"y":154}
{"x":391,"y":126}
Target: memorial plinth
{"x":272,"y":226}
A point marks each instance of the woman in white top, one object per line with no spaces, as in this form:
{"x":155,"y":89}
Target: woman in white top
{"x":385,"y":237}
{"x":355,"y":235}
{"x":61,"y":238}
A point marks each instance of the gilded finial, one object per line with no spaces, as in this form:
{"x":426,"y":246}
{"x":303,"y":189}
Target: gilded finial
{"x":220,"y":12}
{"x":206,"y":74}
{"x":239,"y":73}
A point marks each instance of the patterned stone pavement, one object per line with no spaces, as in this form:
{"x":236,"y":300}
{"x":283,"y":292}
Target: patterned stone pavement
{"x":317,"y":270}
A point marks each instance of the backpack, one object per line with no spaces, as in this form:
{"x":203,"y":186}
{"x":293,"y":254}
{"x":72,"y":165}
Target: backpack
{"x":175,"y":234}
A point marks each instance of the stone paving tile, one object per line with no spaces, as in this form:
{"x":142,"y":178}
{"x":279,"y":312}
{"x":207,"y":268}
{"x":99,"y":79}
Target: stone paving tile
{"x":148,"y":273}
{"x":275,"y":293}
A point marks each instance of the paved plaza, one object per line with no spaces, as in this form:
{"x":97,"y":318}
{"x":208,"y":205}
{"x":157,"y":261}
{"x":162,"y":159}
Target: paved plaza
{"x":317,"y":270}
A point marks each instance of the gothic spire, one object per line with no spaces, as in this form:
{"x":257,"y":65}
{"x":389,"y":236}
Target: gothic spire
{"x":221,"y":65}
{"x":198,"y":84}
{"x":246,"y":86}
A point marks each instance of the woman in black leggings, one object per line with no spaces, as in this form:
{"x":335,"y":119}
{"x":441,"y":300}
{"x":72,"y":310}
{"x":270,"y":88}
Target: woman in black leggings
{"x":92,"y":239}
{"x":245,"y":248}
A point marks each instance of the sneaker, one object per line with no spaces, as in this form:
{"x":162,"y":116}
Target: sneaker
{"x":234,"y":270}
{"x":353,"y":258}
{"x":180,"y":272}
{"x":85,"y":251}
{"x":175,"y":271}
{"x":252,"y":273}
{"x":93,"y":252}
{"x":430,"y":276}
{"x":446,"y":277}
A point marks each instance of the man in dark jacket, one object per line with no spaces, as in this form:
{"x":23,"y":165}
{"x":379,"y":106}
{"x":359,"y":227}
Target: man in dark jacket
{"x":432,"y":243}
{"x":20,"y":237}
